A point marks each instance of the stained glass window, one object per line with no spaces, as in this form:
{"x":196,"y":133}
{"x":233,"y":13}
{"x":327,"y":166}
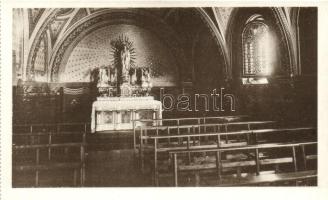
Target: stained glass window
{"x":256,"y":45}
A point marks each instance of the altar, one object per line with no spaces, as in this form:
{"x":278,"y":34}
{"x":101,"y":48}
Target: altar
{"x":118,"y":113}
{"x":123,"y":91}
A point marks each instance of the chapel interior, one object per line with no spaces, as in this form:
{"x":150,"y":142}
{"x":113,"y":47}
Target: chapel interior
{"x":174,"y":96}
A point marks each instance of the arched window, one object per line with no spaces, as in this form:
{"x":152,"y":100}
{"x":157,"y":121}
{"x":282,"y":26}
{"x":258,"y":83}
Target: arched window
{"x":258,"y":51}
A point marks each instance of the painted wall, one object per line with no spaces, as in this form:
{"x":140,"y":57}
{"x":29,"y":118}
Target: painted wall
{"x":94,"y":50}
{"x":17,"y":46}
{"x":208,"y":63}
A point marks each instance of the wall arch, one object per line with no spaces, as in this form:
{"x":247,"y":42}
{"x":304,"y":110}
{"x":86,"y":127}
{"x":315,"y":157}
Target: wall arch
{"x":217,"y":33}
{"x":306,"y":30}
{"x":113,"y":16}
{"x":94,"y":50}
{"x":140,"y":17}
{"x":36,"y":38}
{"x":276,"y":19}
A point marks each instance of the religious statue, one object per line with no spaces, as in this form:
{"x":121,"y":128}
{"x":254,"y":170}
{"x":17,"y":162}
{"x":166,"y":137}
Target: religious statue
{"x":112,"y":75}
{"x":125,"y":61}
{"x":128,"y":78}
{"x":123,"y":90}
{"x":146,"y":81}
{"x":103,"y":77}
{"x":146,"y":75}
{"x":133,"y":76}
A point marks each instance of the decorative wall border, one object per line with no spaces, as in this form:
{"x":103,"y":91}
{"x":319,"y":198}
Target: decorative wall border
{"x":35,"y":43}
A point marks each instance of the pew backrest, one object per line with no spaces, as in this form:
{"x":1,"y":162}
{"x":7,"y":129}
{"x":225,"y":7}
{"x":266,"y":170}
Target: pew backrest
{"x":174,"y":155}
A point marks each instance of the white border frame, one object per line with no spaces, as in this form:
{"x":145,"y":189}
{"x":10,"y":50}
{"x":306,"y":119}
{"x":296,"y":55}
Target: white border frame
{"x":9,"y":193}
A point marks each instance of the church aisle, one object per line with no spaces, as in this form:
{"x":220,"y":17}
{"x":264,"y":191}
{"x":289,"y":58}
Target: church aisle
{"x":114,"y":168}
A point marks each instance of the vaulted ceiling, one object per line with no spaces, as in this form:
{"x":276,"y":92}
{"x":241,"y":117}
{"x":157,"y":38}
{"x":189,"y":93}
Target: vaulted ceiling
{"x":49,"y":33}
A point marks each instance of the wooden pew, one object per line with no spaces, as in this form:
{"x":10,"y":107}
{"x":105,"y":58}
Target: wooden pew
{"x":159,"y":147}
{"x":57,"y":127}
{"x":219,"y":165}
{"x":144,"y":135}
{"x":51,"y":164}
{"x":48,"y":138}
{"x":182,"y":121}
{"x":266,"y":179}
{"x":193,"y":129}
{"x":198,"y":128}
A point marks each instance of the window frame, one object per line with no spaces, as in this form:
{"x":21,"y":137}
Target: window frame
{"x":252,"y":78}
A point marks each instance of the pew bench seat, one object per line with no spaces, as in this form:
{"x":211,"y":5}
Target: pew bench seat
{"x":177,"y":146}
{"x":268,"y":178}
{"x":48,"y":166}
{"x":205,"y":163}
{"x":234,"y":164}
{"x":311,"y":157}
{"x":265,"y":178}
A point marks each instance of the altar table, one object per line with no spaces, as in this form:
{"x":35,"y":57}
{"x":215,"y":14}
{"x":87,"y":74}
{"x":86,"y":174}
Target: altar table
{"x":118,"y":113}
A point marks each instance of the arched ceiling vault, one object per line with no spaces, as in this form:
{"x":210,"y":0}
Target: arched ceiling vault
{"x":110,"y":17}
{"x":49,"y":25}
{"x":284,"y":20}
{"x":55,"y":26}
{"x":217,"y":32}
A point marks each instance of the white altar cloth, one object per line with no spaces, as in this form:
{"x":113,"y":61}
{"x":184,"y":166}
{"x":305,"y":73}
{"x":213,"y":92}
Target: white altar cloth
{"x":116,"y":106}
